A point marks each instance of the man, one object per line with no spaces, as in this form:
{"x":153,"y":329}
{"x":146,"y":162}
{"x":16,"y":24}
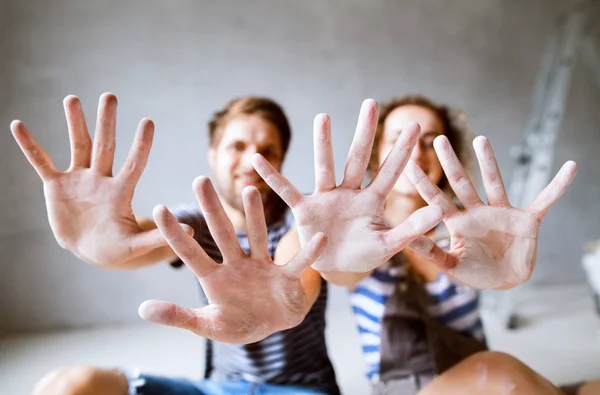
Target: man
{"x":250,"y":298}
{"x":277,"y":311}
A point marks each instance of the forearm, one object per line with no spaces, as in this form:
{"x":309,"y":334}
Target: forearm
{"x":344,"y":279}
{"x":154,"y":256}
{"x":311,"y":283}
{"x":158,"y":255}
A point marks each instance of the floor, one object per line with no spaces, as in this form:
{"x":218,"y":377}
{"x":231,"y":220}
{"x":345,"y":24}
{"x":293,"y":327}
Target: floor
{"x":560,"y":339}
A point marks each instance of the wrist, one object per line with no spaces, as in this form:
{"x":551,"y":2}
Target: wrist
{"x":343,"y":279}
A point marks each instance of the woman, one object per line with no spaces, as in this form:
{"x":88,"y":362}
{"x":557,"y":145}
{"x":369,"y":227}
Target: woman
{"x":415,"y":322}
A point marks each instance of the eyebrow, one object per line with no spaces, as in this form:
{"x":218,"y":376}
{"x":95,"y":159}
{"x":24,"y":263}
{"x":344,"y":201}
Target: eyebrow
{"x":432,"y":133}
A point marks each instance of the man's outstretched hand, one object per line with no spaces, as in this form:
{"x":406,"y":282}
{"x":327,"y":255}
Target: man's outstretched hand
{"x":249,"y":296}
{"x":89,"y":209}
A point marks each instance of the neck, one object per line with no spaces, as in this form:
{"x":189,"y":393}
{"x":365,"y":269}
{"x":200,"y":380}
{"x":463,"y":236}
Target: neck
{"x":238,"y":217}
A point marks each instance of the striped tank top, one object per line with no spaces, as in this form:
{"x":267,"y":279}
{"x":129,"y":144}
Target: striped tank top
{"x":296,"y":356}
{"x":451,"y":304}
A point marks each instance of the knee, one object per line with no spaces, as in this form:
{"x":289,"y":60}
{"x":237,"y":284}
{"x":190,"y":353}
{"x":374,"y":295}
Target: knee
{"x":490,"y":373}
{"x":495,"y":366}
{"x":504,"y":372}
{"x":494,"y":361}
{"x":77,"y":380}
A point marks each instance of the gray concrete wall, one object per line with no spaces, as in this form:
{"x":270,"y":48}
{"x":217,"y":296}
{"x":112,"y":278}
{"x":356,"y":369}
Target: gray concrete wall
{"x":175,"y":62}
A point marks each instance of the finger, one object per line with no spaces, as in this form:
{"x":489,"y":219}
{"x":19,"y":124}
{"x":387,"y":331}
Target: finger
{"x":104,"y":137}
{"x":198,"y":321}
{"x":490,"y":173}
{"x":278,"y":183}
{"x":430,"y":192}
{"x":226,"y":323}
{"x":182,"y":243}
{"x":38,"y":158}
{"x":81,"y":143}
{"x":457,"y":176}
{"x":417,"y":224}
{"x":306,"y":256}
{"x":554,"y":191}
{"x":255,"y":223}
{"x":431,"y":252}
{"x":362,"y":144}
{"x":394,"y":164}
{"x":324,"y":165}
{"x":138,"y":154}
{"x":219,"y":225}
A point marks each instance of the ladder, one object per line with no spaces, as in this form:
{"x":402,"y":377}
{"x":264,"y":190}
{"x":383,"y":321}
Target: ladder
{"x":533,"y":157}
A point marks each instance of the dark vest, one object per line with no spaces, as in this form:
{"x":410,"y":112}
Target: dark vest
{"x":415,"y":347}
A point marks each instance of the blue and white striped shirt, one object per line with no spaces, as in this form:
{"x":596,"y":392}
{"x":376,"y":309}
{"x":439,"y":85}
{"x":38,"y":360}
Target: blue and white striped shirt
{"x":451,"y":304}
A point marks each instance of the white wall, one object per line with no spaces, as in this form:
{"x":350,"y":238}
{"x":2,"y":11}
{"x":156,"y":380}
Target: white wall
{"x":178,"y":61}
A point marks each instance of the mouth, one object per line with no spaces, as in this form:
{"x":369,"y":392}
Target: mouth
{"x":250,"y":181}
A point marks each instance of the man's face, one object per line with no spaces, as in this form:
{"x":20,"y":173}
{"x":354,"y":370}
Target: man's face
{"x":231,"y":158}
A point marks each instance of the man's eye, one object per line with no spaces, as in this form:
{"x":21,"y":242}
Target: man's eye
{"x":267,"y":153}
{"x":237,"y":146}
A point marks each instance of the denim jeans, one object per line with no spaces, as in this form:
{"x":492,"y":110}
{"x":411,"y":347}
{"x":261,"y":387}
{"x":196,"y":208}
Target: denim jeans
{"x":157,"y":385}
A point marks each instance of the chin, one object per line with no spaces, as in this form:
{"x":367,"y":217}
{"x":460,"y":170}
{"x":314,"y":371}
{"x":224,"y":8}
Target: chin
{"x":408,"y":191}
{"x":404,"y":187}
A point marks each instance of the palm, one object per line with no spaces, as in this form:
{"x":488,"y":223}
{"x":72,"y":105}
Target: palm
{"x":242,"y":314}
{"x":249,"y":295}
{"x":355,"y":227}
{"x":90,"y":210}
{"x":352,"y":218}
{"x":492,"y":246}
{"x":490,"y":243}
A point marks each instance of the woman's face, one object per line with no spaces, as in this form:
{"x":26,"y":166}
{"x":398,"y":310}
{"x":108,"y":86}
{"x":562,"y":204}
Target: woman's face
{"x":423,"y":154}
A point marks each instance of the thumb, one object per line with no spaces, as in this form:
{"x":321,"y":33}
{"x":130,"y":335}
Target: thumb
{"x":170,"y":314}
{"x":431,"y":252}
{"x":307,"y":255}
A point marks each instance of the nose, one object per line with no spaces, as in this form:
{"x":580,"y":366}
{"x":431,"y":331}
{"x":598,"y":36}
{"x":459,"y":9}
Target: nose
{"x":246,"y":159}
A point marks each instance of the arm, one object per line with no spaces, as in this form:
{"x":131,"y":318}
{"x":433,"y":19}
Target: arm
{"x":159,"y":254}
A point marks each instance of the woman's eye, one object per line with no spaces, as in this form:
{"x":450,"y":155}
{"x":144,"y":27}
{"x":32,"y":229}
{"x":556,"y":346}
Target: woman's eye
{"x":428,"y":143}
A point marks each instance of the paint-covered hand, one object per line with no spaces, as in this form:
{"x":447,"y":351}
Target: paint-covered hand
{"x":351,"y":216}
{"x":249,"y":296}
{"x":493,"y":246}
{"x":90,"y":210}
